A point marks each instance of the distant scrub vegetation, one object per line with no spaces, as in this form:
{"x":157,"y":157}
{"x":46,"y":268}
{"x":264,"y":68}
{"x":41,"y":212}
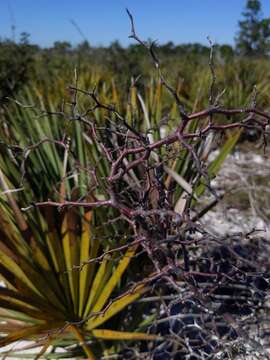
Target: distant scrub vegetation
{"x":239,"y":68}
{"x":186,"y":66}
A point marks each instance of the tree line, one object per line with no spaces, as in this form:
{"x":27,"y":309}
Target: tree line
{"x":21,"y":60}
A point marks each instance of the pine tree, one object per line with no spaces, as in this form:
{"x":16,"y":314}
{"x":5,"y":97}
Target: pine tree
{"x":253,"y":38}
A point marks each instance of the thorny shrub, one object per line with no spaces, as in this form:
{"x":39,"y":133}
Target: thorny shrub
{"x":204,"y":292}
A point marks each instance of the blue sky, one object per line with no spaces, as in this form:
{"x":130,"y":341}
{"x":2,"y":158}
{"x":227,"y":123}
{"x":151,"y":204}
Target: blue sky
{"x":103,"y":21}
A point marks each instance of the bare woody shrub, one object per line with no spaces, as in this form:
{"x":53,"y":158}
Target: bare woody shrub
{"x":206,"y":292}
